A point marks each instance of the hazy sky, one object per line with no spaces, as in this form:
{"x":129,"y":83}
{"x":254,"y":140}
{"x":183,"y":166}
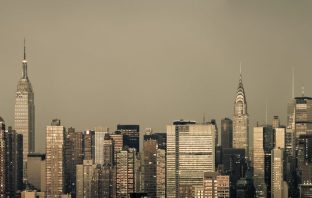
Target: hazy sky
{"x":100,"y":63}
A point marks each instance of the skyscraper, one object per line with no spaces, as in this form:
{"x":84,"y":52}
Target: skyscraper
{"x":150,"y":166}
{"x":131,"y":135}
{"x":24,"y":117}
{"x":190,"y":153}
{"x":85,"y":176}
{"x":226,"y":133}
{"x":125,"y":172}
{"x":240,"y":119}
{"x":161,"y":173}
{"x":14,"y":161}
{"x":259,"y":161}
{"x":88,"y":145}
{"x":2,"y":160}
{"x":73,"y":153}
{"x":216,"y":185}
{"x":279,"y":186}
{"x":55,"y":159}
{"x":99,"y":139}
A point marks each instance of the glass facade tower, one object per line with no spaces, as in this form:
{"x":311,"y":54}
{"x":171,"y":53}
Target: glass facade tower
{"x":190,"y":153}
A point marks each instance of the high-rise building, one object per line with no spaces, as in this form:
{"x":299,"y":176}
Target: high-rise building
{"x":216,"y":185}
{"x":305,"y":190}
{"x":85,"y":177}
{"x":24,"y":116}
{"x":303,"y":115}
{"x":73,"y":155}
{"x":190,"y":153}
{"x":276,"y":122}
{"x":279,"y":186}
{"x":150,"y":167}
{"x":304,"y":158}
{"x":131,"y":135}
{"x":234,"y":164}
{"x":161,"y":139}
{"x":3,"y":171}
{"x":259,"y":161}
{"x":226,"y":133}
{"x":214,"y":123}
{"x":36,"y":162}
{"x":268,"y":145}
{"x":14,"y":162}
{"x":240,"y":119}
{"x":299,"y":122}
{"x":99,"y":139}
{"x":55,"y":159}
{"x":244,"y":188}
{"x":89,"y":145}
{"x":125,"y":172}
{"x":108,"y":150}
{"x":161,"y":173}
{"x":280,"y":138}
{"x":117,"y":142}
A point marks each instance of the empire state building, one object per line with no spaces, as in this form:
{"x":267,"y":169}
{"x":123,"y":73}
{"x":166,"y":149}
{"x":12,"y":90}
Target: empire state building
{"x":24,"y":117}
{"x":240,"y":119}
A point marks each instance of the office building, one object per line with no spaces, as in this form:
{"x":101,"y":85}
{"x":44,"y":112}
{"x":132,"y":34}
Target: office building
{"x":276,"y":122}
{"x":161,"y":139}
{"x":161,"y":173}
{"x":3,"y":171}
{"x":190,"y":153}
{"x":279,"y":186}
{"x":84,"y":178}
{"x":234,"y":164}
{"x":36,"y":165}
{"x":279,"y":141}
{"x":216,"y":185}
{"x":55,"y":159}
{"x":74,"y":155}
{"x":89,"y":145}
{"x":304,"y":158}
{"x":14,"y":162}
{"x":131,"y":135}
{"x":305,"y":190}
{"x":226,"y":133}
{"x":240,"y":119}
{"x":125,"y":172}
{"x":24,"y":116}
{"x":268,"y":145}
{"x":117,"y":138}
{"x":259,"y":162}
{"x":244,"y":188}
{"x":99,"y":139}
{"x":150,"y":167}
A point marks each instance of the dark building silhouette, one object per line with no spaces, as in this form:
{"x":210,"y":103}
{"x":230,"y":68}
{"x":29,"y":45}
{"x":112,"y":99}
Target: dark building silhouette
{"x":234,"y":164}
{"x":226,"y":133}
{"x":73,"y":155}
{"x":131,"y":135}
{"x":161,"y":139}
{"x":14,"y":162}
{"x":149,"y":167}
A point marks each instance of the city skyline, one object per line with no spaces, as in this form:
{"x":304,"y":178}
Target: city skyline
{"x":110,"y":84}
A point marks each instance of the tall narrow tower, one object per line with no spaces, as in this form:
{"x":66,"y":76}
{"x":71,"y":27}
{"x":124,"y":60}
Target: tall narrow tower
{"x":24,"y":117}
{"x":240,"y":119}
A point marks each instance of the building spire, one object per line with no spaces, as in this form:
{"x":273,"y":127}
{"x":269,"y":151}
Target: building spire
{"x":266,"y":112}
{"x":24,"y":74}
{"x":293,"y":83}
{"x":302,"y":91}
{"x":24,"y":49}
{"x":240,"y":72}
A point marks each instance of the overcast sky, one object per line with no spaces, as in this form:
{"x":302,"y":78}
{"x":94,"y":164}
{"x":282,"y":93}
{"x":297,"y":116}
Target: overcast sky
{"x":100,"y":63}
